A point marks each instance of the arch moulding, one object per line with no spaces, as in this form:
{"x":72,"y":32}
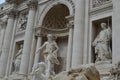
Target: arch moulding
{"x":51,"y":4}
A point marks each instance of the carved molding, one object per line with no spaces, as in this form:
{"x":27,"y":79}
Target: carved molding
{"x":71,"y":21}
{"x":58,"y":2}
{"x":97,"y":3}
{"x":72,"y":3}
{"x":15,"y":1}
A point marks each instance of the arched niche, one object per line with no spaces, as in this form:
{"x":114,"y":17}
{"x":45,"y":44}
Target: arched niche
{"x":55,"y":23}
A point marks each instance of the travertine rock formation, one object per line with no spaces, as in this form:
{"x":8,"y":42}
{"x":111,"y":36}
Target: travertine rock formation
{"x":85,"y":72}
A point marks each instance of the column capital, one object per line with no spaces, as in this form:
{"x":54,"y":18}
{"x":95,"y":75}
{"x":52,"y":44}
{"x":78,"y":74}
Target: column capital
{"x":70,"y":19}
{"x":12,"y":13}
{"x":32,"y":4}
{"x":3,"y":24}
{"x":70,"y":25}
{"x":38,"y":33}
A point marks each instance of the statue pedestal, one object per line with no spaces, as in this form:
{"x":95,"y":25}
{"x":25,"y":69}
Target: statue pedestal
{"x":103,"y":67}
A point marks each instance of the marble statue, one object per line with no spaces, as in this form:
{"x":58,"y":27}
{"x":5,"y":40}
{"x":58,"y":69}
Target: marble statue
{"x":84,"y":72}
{"x":22,"y":22}
{"x":50,"y":55}
{"x":39,"y":71}
{"x":17,"y":60}
{"x":101,"y":44}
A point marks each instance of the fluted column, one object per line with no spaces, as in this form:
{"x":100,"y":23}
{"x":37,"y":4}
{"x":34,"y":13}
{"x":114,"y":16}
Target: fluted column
{"x":32,"y":55}
{"x":28,"y":37}
{"x":37,"y":55}
{"x":78,"y":39}
{"x":116,"y":32}
{"x":7,"y":42}
{"x":70,"y":42}
{"x":2,"y":34}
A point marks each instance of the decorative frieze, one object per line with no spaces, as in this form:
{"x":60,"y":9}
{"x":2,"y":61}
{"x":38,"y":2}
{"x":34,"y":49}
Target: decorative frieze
{"x":97,"y":3}
{"x":100,"y":4}
{"x":15,"y":1}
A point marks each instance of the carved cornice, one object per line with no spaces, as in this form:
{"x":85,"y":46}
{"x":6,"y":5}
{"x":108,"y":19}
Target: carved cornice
{"x":15,"y":1}
{"x":73,"y":5}
{"x":32,"y":4}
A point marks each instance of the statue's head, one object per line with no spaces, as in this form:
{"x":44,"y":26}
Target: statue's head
{"x":50,"y":37}
{"x":21,"y":46}
{"x":103,"y":25}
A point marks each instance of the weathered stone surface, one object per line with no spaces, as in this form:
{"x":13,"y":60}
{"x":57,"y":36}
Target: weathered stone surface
{"x":41,"y":17}
{"x":85,"y":72}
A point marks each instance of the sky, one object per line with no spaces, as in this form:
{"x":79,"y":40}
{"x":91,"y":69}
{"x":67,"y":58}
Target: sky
{"x":1,"y":1}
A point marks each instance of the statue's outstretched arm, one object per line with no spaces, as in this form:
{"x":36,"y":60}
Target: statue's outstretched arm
{"x":41,"y":47}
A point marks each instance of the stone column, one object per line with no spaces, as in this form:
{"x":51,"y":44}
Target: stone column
{"x":32,"y":55}
{"x":39,"y":43}
{"x":78,"y":38}
{"x":86,"y":33}
{"x":37,"y":55}
{"x":7,"y":42}
{"x":2,"y":34}
{"x":70,"y":43}
{"x":10,"y":62}
{"x":28,"y":38}
{"x":116,"y":32}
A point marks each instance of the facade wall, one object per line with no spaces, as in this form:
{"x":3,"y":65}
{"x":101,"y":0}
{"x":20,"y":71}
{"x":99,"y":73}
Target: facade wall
{"x":23,"y":22}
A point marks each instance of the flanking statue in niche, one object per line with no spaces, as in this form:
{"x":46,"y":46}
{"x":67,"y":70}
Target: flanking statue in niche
{"x":17,"y":60}
{"x":101,"y":44}
{"x":50,"y":55}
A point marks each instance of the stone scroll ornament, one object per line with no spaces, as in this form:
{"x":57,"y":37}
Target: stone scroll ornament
{"x":101,"y":44}
{"x":50,"y":55}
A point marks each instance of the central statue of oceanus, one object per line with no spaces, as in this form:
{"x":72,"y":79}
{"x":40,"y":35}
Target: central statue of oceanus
{"x":50,"y":55}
